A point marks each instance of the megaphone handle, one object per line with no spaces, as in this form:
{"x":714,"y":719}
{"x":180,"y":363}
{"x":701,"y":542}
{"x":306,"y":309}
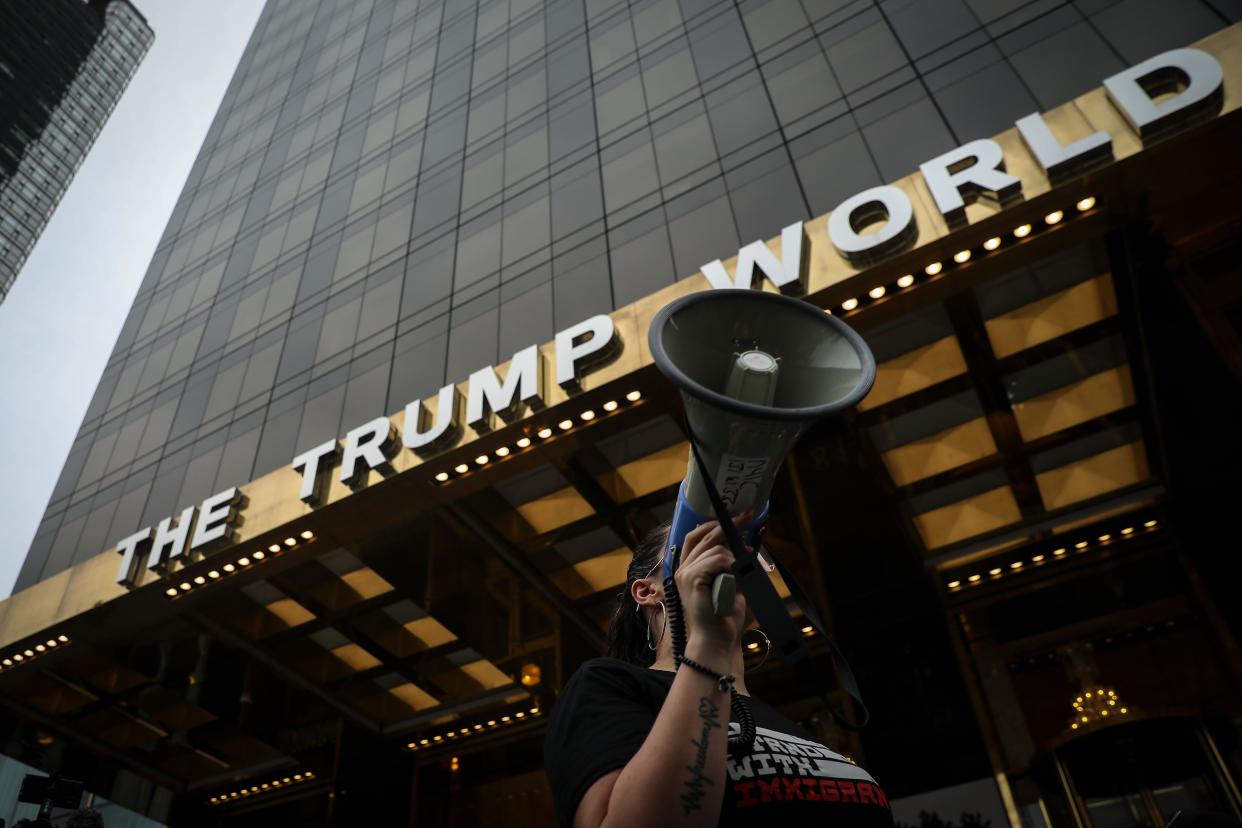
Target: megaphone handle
{"x":724,"y":590}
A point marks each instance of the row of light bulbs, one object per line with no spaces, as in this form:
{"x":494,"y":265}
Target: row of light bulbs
{"x":473,"y":730}
{"x":1016,"y":567}
{"x":20,"y":657}
{"x":961,"y":257}
{"x":542,"y":433}
{"x":266,"y":787}
{"x":233,"y":567}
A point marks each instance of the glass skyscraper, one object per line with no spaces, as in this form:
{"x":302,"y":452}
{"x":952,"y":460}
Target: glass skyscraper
{"x":63,"y":66}
{"x":395,"y":193}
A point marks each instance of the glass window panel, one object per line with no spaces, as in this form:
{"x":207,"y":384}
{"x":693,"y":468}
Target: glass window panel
{"x":668,"y":73}
{"x":473,"y":336}
{"x":321,"y":419}
{"x":339,"y":327}
{"x":487,"y":114}
{"x":771,"y":21}
{"x":380,"y":131}
{"x":393,"y":229}
{"x":701,"y":228}
{"x":478,"y":250}
{"x":428,"y":275}
{"x":526,"y":313}
{"x":237,"y":456}
{"x":490,"y":62}
{"x":611,"y":41}
{"x":765,"y":196}
{"x":418,"y":364}
{"x":683,"y":144}
{"x":800,"y":82}
{"x":862,"y":51}
{"x":740,"y":113}
{"x":719,"y":43}
{"x":577,"y":199}
{"x":369,"y":184}
{"x":224,"y":390}
{"x":619,"y":100}
{"x":642,"y":261}
{"x":484,"y":175}
{"x":901,"y":141}
{"x":525,"y":154}
{"x":403,"y":163}
{"x":355,"y":250}
{"x":526,"y":230}
{"x":526,"y":40}
{"x":186,"y":347}
{"x":381,"y":303}
{"x":631,"y":174}
{"x":367,"y":391}
{"x":526,"y":92}
{"x":300,"y":345}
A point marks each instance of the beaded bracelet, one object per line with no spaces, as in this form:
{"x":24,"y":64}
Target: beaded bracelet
{"x":724,"y":682}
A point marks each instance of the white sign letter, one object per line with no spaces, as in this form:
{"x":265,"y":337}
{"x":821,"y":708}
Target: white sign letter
{"x":372,"y":443}
{"x":1194,"y":76}
{"x":576,"y":343}
{"x":420,"y":434}
{"x":788,"y":272}
{"x":960,"y":176}
{"x":128,"y":549}
{"x":214,"y":516}
{"x":888,"y":204}
{"x":1062,"y":161}
{"x":308,"y":463}
{"x":171,"y":535}
{"x":521,"y":386}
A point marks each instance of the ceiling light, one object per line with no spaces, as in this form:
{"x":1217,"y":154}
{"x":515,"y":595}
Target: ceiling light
{"x":565,"y":425}
{"x":481,"y":459}
{"x":961,"y":256}
{"x":876,"y":292}
{"x":994,"y":571}
{"x":243,"y":561}
{"x":213,"y":574}
{"x":1085,"y":204}
{"x":974,"y":578}
{"x":587,"y":415}
{"x":905,"y":281}
{"x":291,"y":541}
{"x":634,"y":396}
{"x":461,"y":468}
{"x":933,"y":268}
{"x":849,"y":304}
{"x":1022,"y":231}
{"x":442,"y":476}
{"x":992,"y":243}
{"x":544,"y":433}
{"x":228,"y":567}
{"x":523,"y":442}
{"x":1054,"y":217}
{"x":200,"y":580}
{"x":259,"y":555}
{"x":611,"y":405}
{"x":170,"y":592}
{"x":185,"y":586}
{"x":503,"y":451}
{"x":954,"y":584}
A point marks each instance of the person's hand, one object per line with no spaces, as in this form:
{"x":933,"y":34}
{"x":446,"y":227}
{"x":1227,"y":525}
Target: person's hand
{"x":705,"y":555}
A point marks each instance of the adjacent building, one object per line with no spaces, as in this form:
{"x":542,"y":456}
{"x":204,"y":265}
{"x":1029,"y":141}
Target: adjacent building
{"x":298,"y":566}
{"x":63,"y":67}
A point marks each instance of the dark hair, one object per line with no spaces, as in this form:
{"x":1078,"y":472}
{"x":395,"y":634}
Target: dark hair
{"x":627,"y":633}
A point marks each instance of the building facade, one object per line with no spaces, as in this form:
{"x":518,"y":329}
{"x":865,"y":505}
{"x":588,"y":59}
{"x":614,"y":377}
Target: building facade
{"x":63,"y":67}
{"x":334,"y":584}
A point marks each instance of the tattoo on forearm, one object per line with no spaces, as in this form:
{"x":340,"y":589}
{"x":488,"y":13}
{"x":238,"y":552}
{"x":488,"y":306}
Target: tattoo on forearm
{"x":695,"y":786}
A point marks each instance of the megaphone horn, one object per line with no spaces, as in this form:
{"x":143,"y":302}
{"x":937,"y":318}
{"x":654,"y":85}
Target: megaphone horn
{"x":755,"y":369}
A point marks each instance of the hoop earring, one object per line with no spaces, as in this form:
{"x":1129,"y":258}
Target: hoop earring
{"x":767,"y":648}
{"x":652,"y":646}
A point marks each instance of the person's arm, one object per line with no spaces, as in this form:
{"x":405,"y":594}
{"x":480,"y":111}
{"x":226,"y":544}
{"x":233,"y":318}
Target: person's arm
{"x":678,"y":775}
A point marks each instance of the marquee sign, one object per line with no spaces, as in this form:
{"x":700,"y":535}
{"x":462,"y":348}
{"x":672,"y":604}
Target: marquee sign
{"x":1157,"y":97}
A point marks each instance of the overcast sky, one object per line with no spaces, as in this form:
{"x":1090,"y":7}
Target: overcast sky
{"x":62,"y":317}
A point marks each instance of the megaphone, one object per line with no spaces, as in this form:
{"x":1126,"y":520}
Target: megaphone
{"x":755,"y":370}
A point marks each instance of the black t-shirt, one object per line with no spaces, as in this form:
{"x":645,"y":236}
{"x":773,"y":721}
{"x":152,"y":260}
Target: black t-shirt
{"x":609,"y":706}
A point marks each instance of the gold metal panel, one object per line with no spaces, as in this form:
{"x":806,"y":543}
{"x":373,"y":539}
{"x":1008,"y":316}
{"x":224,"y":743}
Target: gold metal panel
{"x":554,"y":510}
{"x":645,"y":475}
{"x":430,"y":632}
{"x":366,"y":582}
{"x":914,"y":371}
{"x":940,"y":452}
{"x":1096,"y":475}
{"x":593,"y":574}
{"x":290,"y":612}
{"x":38,"y":606}
{"x":1052,"y":316}
{"x":415,"y":696}
{"x":356,"y":657}
{"x":968,"y":518}
{"x":1086,"y":399}
{"x":486,"y":674}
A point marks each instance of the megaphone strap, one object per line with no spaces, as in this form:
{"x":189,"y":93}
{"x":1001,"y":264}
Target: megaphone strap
{"x":762,"y":597}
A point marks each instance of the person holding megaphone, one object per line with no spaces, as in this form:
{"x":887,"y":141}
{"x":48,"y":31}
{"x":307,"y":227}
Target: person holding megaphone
{"x":663,"y":730}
